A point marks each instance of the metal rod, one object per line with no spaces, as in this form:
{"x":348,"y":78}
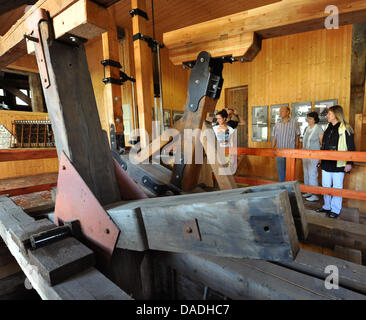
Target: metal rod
{"x":134,"y":107}
{"x":161,"y":89}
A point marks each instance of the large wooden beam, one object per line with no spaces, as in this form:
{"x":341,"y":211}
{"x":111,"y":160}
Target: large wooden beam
{"x":37,"y":94}
{"x":112,"y":92}
{"x":253,"y":279}
{"x":252,"y":225}
{"x":143,"y":71}
{"x":358,"y":71}
{"x":81,"y":18}
{"x":73,"y":111}
{"x":278,"y":19}
{"x":12,"y":44}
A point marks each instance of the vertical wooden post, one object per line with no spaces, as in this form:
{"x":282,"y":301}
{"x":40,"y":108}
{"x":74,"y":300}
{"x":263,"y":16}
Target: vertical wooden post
{"x":74,"y":116}
{"x":143,"y":70}
{"x":112,"y":92}
{"x":358,"y":71}
{"x":290,"y":169}
{"x":37,"y":95}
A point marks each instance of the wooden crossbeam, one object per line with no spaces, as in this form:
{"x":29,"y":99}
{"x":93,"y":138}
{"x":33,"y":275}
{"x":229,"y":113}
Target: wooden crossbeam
{"x":248,"y":224}
{"x":254,"y":279}
{"x":12,"y":44}
{"x":19,"y":94}
{"x":278,"y":19}
{"x":81,"y":18}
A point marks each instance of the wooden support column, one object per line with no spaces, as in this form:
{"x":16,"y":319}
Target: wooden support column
{"x":36,"y":90}
{"x":112,"y":92}
{"x":358,"y":71}
{"x":290,"y":169}
{"x":143,"y":70}
{"x":74,"y":116}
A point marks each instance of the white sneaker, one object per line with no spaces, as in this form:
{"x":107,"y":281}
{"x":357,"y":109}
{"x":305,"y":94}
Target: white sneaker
{"x":313,"y":198}
{"x":307,"y":195}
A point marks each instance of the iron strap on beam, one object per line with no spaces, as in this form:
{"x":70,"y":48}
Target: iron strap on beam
{"x":138,"y":12}
{"x":152,"y":43}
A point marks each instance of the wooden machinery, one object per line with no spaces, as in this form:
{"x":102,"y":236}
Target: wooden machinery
{"x":241,"y":242}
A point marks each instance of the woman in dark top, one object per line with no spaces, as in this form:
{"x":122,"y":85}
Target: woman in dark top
{"x":338,"y":136}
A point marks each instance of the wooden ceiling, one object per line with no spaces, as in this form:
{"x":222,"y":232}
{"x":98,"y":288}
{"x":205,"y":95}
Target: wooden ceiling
{"x":169,"y":14}
{"x":174,"y":14}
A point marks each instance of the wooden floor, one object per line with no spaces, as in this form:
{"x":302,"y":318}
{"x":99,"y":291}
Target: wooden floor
{"x":29,"y":184}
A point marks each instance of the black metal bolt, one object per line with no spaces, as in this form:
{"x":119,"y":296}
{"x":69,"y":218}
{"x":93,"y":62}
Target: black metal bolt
{"x":189,"y":230}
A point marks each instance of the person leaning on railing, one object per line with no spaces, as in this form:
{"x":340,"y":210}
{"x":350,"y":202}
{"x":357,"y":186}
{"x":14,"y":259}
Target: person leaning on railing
{"x":313,"y":136}
{"x":338,"y":136}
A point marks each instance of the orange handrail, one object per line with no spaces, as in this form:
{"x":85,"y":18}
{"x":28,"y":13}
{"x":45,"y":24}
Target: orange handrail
{"x":291,"y":155}
{"x":26,"y":154}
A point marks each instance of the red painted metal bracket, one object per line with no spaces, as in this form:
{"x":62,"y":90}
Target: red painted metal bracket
{"x":74,"y":200}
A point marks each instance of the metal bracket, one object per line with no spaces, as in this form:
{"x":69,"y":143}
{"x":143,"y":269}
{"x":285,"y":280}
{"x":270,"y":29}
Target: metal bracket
{"x":138,"y":12}
{"x":151,"y":43}
{"x":191,"y":230}
{"x":111,"y":63}
{"x":34,"y":26}
{"x":178,"y":170}
{"x":205,"y":80}
{"x":159,"y":189}
{"x":74,"y":200}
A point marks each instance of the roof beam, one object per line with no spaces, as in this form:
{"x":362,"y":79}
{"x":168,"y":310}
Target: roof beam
{"x":81,"y":18}
{"x":278,"y":19}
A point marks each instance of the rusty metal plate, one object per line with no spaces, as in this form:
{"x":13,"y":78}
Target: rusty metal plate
{"x":74,"y":200}
{"x":190,"y":230}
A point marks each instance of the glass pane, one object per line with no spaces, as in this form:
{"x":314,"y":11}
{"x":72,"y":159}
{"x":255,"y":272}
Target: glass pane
{"x":299,"y":112}
{"x":321,"y":107}
{"x":20,"y":102}
{"x":260,"y":123}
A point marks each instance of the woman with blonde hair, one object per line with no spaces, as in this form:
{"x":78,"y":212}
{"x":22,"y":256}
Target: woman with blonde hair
{"x":338,"y":136}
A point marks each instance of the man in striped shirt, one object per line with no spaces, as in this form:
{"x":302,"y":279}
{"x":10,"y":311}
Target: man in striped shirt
{"x":285,"y":135}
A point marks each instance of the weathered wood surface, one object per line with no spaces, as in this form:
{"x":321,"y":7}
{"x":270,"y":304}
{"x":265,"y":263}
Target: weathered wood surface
{"x":37,"y":94}
{"x":331,"y":232}
{"x":254,"y":225}
{"x":278,"y":19}
{"x":348,"y":254}
{"x":292,"y":187}
{"x":147,"y":174}
{"x":13,"y":45}
{"x":351,"y":275}
{"x":73,"y":111}
{"x":358,"y":71}
{"x":87,"y":285}
{"x":253,"y":279}
{"x":216,"y":158}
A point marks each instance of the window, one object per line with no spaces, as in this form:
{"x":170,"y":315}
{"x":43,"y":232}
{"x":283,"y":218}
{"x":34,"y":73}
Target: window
{"x":19,"y":101}
{"x":2,"y":93}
